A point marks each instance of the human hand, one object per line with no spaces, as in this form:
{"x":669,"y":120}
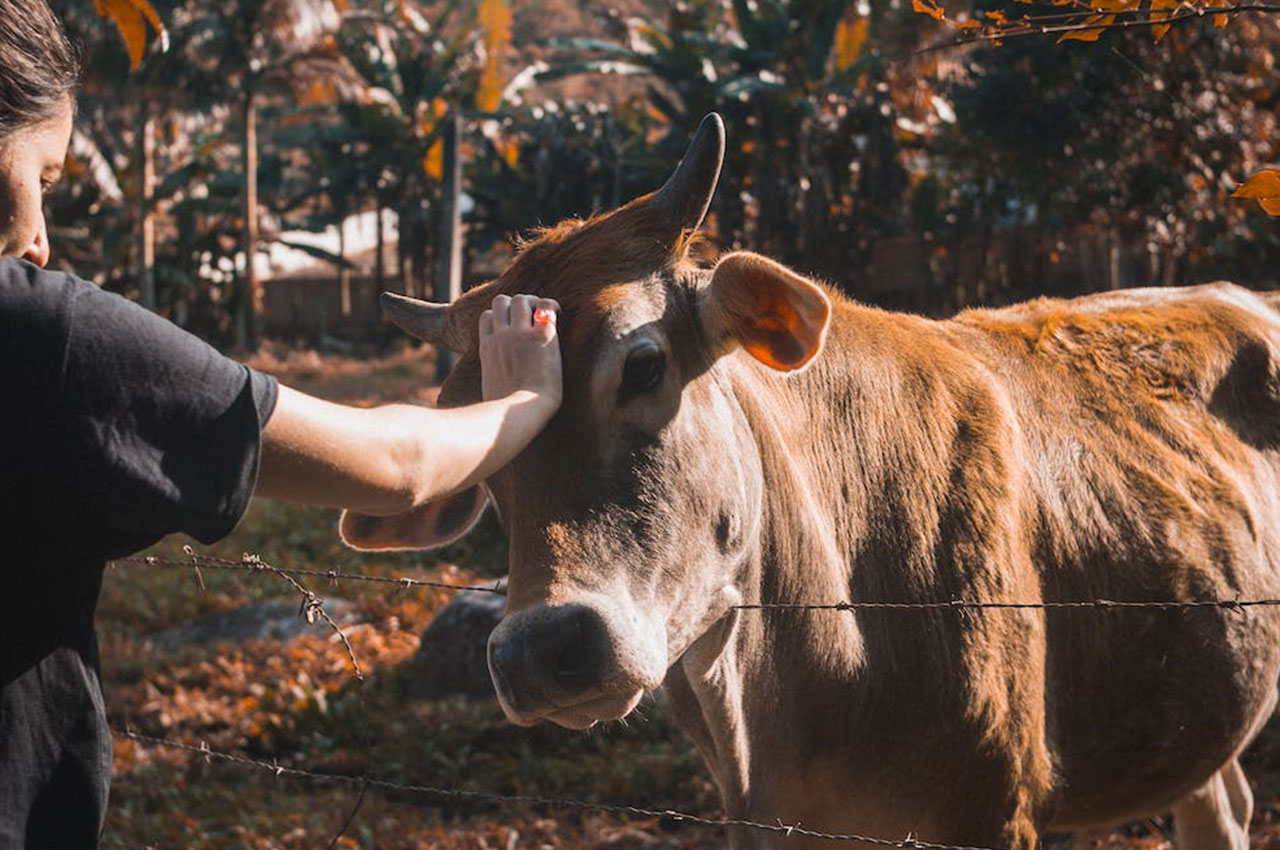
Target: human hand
{"x":518,"y":353}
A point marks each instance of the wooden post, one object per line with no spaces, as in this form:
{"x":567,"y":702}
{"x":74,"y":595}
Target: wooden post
{"x":449,"y":247}
{"x":344,"y":273}
{"x":250,"y":295}
{"x":146,"y":213}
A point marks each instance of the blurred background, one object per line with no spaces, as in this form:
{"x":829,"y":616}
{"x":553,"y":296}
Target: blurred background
{"x":258,"y":171}
{"x":862,"y":149}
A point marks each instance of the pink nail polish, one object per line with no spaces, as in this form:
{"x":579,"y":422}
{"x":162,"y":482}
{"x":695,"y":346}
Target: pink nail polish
{"x":543,"y":316}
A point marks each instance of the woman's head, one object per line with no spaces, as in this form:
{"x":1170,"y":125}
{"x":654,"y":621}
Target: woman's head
{"x":38,"y":74}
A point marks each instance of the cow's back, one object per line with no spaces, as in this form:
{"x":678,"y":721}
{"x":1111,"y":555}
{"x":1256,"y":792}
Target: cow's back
{"x":1149,"y":423}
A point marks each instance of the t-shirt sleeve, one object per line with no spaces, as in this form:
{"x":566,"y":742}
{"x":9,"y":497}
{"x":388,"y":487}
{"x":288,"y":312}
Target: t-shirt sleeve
{"x":123,"y":420}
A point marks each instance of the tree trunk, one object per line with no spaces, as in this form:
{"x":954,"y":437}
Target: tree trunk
{"x":344,"y":273}
{"x":379,"y":263}
{"x":250,"y":290}
{"x":449,"y":272}
{"x":146,"y":254}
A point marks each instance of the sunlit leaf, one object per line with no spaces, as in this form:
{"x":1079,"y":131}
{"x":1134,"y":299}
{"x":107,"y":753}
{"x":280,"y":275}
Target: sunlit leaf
{"x":1265,"y":186}
{"x":509,"y":150}
{"x":131,"y":18}
{"x":433,"y":162}
{"x":1114,"y":5}
{"x":851,"y":37}
{"x":1160,"y":11}
{"x":928,"y":8}
{"x":1088,"y":32}
{"x":494,"y":18}
{"x":996,"y":16}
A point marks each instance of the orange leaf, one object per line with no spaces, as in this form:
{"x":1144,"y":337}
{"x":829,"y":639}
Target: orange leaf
{"x":927,"y":8}
{"x":969,"y":24}
{"x":1265,"y":186}
{"x":494,"y":18}
{"x":433,"y":162}
{"x":851,"y":36}
{"x":997,"y":16}
{"x":131,"y":18}
{"x":1159,"y":12}
{"x":1089,"y":34}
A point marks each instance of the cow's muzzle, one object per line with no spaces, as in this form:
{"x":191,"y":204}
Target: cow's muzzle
{"x":561,"y":664}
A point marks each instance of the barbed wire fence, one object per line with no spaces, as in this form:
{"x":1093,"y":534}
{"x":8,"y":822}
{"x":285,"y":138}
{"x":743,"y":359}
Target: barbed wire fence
{"x":312,"y":609}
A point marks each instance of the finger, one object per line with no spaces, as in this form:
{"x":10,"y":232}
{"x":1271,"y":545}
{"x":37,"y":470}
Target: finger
{"x":486,"y":324}
{"x":501,"y":311}
{"x":522,"y":311}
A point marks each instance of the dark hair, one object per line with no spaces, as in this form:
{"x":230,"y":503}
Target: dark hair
{"x":38,"y":67}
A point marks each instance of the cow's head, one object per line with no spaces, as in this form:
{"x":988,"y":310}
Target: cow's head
{"x":632,"y":517}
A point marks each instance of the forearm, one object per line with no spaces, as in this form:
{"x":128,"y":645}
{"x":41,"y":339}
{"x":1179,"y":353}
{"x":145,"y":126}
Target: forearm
{"x":471,"y":443}
{"x":390,"y":459}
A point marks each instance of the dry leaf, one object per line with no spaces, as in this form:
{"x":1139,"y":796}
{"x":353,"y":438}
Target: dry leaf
{"x":131,"y":18}
{"x":1265,"y":186}
{"x":926,"y":8}
{"x":433,"y":162}
{"x":494,"y":18}
{"x":1089,"y":33}
{"x":851,"y":36}
{"x":1160,"y":12}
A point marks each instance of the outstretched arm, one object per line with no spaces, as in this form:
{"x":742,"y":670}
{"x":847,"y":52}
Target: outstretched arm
{"x":388,"y":460}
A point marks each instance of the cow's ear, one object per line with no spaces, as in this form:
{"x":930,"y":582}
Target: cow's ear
{"x":779,"y":317}
{"x":435,"y":524}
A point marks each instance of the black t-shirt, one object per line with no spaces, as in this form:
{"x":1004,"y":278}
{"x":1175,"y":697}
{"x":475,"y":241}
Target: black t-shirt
{"x":116,"y":428}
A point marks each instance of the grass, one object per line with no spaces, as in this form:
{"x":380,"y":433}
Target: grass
{"x":299,"y":704}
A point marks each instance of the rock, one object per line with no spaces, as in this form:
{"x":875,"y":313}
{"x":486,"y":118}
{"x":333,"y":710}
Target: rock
{"x":452,"y":658}
{"x":271,"y":619}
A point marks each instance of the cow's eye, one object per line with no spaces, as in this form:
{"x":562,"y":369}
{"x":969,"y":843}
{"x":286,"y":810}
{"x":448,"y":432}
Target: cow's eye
{"x":642,"y":372}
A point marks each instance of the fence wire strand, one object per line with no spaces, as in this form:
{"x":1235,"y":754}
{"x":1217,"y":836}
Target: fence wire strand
{"x":255,"y":564}
{"x":312,"y":607}
{"x":365,"y":782}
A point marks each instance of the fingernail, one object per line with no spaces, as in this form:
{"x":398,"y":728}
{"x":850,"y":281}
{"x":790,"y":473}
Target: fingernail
{"x":543,"y":316}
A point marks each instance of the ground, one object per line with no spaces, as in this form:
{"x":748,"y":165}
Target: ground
{"x":300,"y":705}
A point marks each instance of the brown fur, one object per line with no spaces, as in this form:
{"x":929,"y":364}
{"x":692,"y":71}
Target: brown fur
{"x":1120,"y":446}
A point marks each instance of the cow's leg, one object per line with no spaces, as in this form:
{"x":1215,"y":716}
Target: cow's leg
{"x":1239,"y":793}
{"x":1215,"y":816}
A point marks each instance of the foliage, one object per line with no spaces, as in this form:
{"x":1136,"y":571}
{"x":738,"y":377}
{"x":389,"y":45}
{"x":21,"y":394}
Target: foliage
{"x":1265,"y":186}
{"x":132,"y":17}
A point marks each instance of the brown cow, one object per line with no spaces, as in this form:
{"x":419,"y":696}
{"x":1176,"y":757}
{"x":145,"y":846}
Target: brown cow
{"x":740,"y":434}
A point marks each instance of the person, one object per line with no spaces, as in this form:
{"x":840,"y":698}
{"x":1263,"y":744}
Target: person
{"x":117,"y":428}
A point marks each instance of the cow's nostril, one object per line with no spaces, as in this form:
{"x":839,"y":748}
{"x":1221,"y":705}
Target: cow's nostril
{"x":574,"y":651}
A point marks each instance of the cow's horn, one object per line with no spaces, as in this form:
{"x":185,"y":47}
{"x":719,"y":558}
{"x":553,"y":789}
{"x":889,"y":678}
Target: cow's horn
{"x":427,"y":321}
{"x":687,"y":193}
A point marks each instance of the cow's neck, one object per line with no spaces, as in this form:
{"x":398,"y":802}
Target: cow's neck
{"x":841,"y":499}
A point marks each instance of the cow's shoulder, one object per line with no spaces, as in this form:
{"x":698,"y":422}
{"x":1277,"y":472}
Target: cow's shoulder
{"x":1140,"y":352}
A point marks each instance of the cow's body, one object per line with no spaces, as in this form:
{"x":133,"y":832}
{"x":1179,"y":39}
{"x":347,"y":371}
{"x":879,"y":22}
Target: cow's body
{"x":1122,"y":446}
{"x":1119,"y":447}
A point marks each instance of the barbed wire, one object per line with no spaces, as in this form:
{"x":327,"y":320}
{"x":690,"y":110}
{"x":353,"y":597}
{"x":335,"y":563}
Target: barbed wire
{"x":254,"y":563}
{"x":969,"y":605}
{"x":365,"y":782}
